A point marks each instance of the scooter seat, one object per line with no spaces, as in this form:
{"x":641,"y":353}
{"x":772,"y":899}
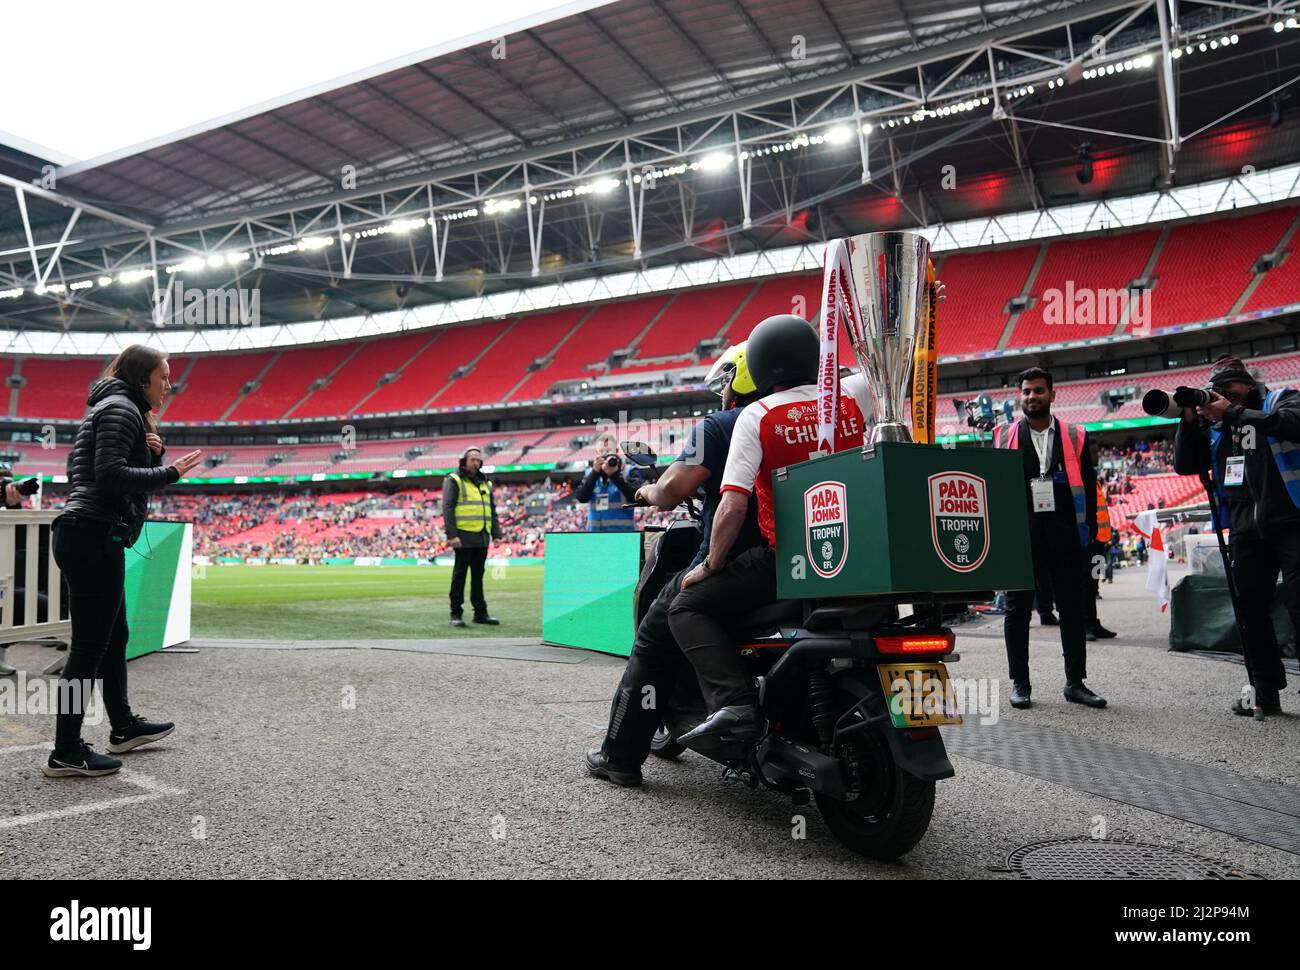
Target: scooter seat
{"x":782,"y":612}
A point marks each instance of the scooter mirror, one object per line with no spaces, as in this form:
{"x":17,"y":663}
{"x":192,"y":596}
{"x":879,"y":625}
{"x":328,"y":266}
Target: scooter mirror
{"x":638,"y":453}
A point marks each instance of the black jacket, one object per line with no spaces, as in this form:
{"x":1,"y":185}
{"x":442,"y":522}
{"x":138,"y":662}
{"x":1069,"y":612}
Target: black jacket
{"x":1059,"y":528}
{"x":111,"y":470}
{"x":1262,"y":503}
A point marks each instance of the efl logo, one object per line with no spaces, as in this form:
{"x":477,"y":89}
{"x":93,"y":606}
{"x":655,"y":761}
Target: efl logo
{"x":132,"y":924}
{"x":959,"y":519}
{"x":826,"y":527}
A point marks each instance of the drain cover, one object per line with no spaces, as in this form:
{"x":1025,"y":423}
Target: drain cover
{"x":1105,"y":859}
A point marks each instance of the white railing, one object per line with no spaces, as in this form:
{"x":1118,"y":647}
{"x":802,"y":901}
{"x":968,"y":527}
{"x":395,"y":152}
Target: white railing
{"x":25,"y":575}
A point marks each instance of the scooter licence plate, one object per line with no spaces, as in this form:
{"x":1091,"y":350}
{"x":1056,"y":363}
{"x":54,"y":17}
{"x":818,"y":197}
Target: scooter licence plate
{"x":918,"y":694}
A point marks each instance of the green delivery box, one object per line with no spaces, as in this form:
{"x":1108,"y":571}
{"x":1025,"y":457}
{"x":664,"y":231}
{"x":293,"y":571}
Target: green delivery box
{"x":902,"y":518}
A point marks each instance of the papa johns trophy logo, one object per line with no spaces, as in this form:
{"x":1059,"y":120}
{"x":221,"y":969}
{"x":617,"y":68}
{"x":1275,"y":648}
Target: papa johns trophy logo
{"x":959,"y":520}
{"x":826,"y":527}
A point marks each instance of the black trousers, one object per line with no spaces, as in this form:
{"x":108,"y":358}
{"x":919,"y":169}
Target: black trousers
{"x":1060,"y":563}
{"x":472,"y":561}
{"x":95,"y":568}
{"x":1256,"y":561}
{"x":647,"y":683}
{"x":1093,"y":565}
{"x":703,"y":617}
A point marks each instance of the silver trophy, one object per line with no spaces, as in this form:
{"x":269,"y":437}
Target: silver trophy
{"x":889,"y":275}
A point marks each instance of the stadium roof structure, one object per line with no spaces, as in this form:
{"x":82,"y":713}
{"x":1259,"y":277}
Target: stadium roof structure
{"x":648,"y":133}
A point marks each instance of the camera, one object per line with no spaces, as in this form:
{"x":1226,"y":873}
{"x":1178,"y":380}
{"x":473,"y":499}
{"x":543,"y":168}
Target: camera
{"x":1161,"y":404}
{"x":28,"y":486}
{"x":613,"y":462}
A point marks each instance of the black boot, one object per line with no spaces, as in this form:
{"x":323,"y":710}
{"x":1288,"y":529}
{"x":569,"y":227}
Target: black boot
{"x":739,"y":722}
{"x":486,"y":620}
{"x":1020,"y":696}
{"x":1079,"y":694}
{"x":598,"y":764}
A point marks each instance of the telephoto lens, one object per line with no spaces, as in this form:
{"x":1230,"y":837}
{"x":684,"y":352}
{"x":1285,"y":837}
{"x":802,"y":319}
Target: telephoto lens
{"x":1159,"y":404}
{"x":1191,"y":397}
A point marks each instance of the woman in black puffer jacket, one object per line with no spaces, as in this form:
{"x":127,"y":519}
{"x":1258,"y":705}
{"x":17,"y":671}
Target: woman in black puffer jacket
{"x":115,"y":463}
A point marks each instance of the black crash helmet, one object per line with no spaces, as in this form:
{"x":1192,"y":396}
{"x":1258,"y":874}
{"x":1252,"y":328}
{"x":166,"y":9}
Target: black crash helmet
{"x":783,"y":349}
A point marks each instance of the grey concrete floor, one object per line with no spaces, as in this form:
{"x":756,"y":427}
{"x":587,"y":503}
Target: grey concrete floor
{"x":444,"y":759}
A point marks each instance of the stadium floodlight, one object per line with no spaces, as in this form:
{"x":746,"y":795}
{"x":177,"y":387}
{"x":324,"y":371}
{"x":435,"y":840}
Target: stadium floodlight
{"x":135,"y":275}
{"x":81,"y":285}
{"x":404,"y":225}
{"x":715,"y":161}
{"x":13,"y":294}
{"x":839,"y":134}
{"x":866,"y":127}
{"x":105,"y":281}
{"x":192,"y":265}
{"x":603,"y":186}
{"x":494,"y":206}
{"x":1176,"y":53}
{"x":311,"y":243}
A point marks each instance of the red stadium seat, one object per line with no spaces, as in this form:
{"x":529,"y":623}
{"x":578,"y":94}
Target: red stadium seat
{"x":1205,"y":267}
{"x":609,"y":327}
{"x":979,"y":285}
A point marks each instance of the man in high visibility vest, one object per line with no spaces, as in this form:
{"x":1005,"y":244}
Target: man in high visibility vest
{"x":1060,"y":484}
{"x":1096,"y":565}
{"x":469,"y":515}
{"x":1249,"y":439}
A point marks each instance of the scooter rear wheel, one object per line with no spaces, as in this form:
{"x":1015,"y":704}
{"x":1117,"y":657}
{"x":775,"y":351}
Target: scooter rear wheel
{"x":662,"y":745}
{"x":891,"y":816}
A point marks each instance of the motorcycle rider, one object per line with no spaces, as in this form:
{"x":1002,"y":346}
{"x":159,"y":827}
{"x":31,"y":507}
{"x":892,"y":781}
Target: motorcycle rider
{"x":656,"y":660}
{"x":779,"y":429}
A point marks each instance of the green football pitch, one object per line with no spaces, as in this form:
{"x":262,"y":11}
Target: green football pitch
{"x":356,"y":602}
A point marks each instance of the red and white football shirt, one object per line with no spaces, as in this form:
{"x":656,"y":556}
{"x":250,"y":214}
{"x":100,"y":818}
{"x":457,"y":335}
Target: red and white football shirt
{"x":780,"y":430}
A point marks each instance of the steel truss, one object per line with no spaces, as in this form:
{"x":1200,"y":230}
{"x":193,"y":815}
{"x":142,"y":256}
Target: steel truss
{"x":458,"y":234}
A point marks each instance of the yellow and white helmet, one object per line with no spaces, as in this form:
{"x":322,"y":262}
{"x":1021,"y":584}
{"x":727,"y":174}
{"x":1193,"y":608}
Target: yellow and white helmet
{"x":731,"y":369}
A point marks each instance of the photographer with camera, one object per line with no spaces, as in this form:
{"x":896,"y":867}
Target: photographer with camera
{"x":606,"y":491}
{"x":1248,"y":438}
{"x":116,"y":462}
{"x":14,"y":495}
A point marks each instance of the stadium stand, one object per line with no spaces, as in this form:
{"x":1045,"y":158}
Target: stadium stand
{"x":507,"y":357}
{"x":1280,"y":285}
{"x":1101,"y":262}
{"x":607,"y":328}
{"x":288,"y":381}
{"x":692,"y":316}
{"x":56,"y":387}
{"x":214,"y":386}
{"x":357,"y":381}
{"x":1204,"y":267}
{"x":979,"y":286}
{"x":1202,"y":271}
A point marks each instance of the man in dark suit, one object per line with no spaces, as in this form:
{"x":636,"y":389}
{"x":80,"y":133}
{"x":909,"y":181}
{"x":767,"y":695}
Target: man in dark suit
{"x":1061,"y":488}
